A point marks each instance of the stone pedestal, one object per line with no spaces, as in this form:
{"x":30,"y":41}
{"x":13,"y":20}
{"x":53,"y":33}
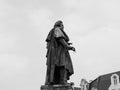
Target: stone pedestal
{"x":56,"y":87}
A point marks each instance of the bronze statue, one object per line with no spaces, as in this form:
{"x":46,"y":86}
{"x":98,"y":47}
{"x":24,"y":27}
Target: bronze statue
{"x":59,"y":64}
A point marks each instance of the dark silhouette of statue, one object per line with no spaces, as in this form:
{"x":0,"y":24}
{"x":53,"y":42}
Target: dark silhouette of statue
{"x":59,"y":64}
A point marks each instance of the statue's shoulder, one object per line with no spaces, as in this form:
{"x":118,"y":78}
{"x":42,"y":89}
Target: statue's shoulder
{"x":50,"y":34}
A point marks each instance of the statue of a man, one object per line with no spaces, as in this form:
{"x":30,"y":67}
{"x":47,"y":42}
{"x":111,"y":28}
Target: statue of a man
{"x":59,"y":64}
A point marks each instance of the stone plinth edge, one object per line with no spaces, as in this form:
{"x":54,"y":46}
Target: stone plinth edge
{"x":56,"y":87}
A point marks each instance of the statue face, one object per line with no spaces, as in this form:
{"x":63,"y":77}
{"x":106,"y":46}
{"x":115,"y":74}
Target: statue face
{"x":61,"y":26}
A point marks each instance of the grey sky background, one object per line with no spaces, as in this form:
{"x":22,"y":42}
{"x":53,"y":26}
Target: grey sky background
{"x":92,"y":25}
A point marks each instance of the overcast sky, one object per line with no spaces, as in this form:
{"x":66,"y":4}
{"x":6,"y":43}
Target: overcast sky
{"x":92,"y":25}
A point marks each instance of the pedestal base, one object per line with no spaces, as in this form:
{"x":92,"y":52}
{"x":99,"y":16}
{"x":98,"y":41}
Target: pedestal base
{"x":56,"y":87}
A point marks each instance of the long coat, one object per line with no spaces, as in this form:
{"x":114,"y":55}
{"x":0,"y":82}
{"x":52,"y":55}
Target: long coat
{"x":57,"y":54}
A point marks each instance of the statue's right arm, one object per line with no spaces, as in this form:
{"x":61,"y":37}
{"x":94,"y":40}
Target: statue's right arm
{"x":60,"y":37}
{"x":65,"y":44}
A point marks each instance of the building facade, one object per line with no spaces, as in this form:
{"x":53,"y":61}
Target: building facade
{"x":109,"y":81}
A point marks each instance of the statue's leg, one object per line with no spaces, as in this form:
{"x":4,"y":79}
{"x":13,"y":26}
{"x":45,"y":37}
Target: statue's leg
{"x":63,"y":75}
{"x":50,"y":75}
{"x":47,"y":77}
{"x":57,"y":75}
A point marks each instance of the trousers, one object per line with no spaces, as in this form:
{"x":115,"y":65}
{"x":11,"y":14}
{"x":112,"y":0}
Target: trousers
{"x":60,"y":75}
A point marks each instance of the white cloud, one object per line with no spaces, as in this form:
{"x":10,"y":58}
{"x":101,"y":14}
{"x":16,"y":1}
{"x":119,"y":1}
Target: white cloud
{"x":78,"y":24}
{"x":8,"y":42}
{"x":12,"y":67}
{"x":70,"y":3}
{"x":99,"y":12}
{"x":42,"y":21}
{"x":41,"y":17}
{"x":97,"y":53}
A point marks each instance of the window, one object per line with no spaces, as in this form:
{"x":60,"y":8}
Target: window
{"x":115,"y":80}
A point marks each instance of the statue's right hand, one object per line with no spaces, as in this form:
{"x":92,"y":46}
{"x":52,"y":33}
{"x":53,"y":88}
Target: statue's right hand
{"x":73,"y":49}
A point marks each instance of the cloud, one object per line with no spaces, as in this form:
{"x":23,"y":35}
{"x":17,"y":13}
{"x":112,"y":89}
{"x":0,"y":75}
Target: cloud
{"x":10,"y":66}
{"x":70,"y":3}
{"x":7,"y":41}
{"x":78,"y":25}
{"x":41,"y":17}
{"x":93,"y":13}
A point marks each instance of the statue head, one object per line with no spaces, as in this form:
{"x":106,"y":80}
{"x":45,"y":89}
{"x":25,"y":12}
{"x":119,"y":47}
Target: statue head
{"x":59,"y":23}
